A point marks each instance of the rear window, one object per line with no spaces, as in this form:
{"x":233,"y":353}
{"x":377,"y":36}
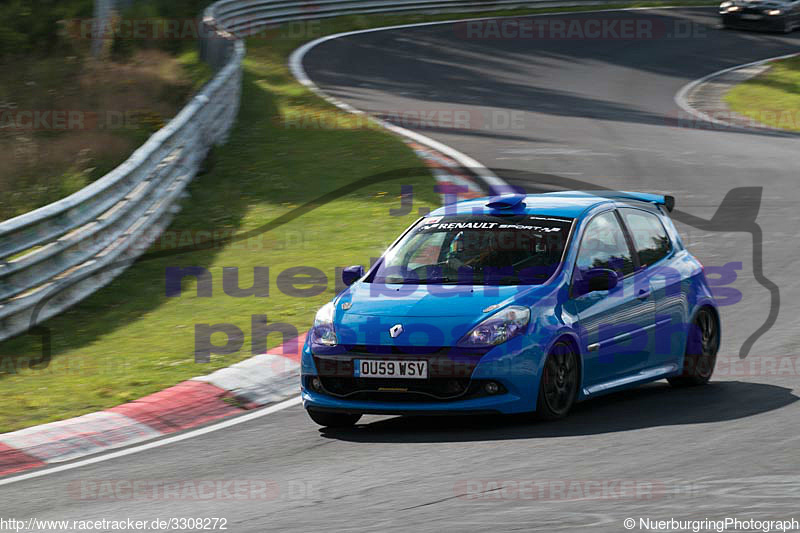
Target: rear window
{"x":650,"y":239}
{"x":478,"y":250}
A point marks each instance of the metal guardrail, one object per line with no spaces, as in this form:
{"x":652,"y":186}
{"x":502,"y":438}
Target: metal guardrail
{"x":55,"y":256}
{"x":243,"y":17}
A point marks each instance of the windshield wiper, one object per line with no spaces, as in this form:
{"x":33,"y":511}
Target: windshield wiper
{"x":446,"y":281}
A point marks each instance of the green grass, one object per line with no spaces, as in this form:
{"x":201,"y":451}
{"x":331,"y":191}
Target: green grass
{"x":129,"y":339}
{"x":196,"y":71}
{"x":773,"y":97}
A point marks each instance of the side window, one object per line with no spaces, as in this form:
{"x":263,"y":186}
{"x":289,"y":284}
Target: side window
{"x":649,"y":236}
{"x":604,"y":246}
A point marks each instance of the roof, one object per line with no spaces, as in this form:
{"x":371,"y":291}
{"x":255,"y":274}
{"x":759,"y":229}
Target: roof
{"x":570,"y":204}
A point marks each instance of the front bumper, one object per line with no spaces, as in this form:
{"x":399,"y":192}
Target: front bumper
{"x":499,"y":405}
{"x":455,"y":385}
{"x":765,"y":23}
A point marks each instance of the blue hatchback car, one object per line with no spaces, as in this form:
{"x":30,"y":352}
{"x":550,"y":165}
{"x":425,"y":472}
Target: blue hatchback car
{"x":512,"y":304}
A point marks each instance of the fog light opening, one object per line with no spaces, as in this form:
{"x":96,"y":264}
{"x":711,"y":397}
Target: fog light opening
{"x":491,"y":388}
{"x":316,"y":384}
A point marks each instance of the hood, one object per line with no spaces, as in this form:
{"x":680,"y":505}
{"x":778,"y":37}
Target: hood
{"x":430,"y":300}
{"x":761,"y":4}
{"x":431,"y":316}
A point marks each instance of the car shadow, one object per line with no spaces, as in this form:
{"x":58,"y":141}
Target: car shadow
{"x":651,"y":405}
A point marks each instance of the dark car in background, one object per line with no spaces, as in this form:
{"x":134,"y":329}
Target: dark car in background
{"x":760,"y":15}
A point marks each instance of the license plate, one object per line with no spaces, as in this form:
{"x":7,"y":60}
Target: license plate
{"x":751,"y":17}
{"x":374,"y":368}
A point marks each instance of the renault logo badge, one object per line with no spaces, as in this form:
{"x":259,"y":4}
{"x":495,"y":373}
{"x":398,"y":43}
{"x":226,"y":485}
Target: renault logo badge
{"x":396,"y":330}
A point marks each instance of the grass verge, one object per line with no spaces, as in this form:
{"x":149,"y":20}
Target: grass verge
{"x":771,"y":98}
{"x":119,"y":105}
{"x":130,"y":339}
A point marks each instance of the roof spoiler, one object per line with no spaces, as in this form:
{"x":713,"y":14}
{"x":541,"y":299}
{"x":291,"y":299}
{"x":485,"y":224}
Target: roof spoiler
{"x":506,"y":201}
{"x":667,"y":201}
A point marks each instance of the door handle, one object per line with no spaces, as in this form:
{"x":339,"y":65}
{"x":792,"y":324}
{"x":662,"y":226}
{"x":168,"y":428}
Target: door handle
{"x":643,"y":294}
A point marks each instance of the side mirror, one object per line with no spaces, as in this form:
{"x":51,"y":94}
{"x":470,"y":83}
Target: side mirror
{"x":601,"y":279}
{"x":352,"y":274}
{"x":594,"y":279}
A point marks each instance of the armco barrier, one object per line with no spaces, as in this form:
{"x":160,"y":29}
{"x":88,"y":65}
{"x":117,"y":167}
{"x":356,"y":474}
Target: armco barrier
{"x":55,"y":256}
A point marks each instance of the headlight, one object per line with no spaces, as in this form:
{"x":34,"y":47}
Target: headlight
{"x":774,"y":12}
{"x":323,"y":332}
{"x":733,"y":8}
{"x":498,"y":328}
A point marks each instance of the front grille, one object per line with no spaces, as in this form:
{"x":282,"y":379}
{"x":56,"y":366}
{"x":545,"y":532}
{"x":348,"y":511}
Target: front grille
{"x":377,"y":349}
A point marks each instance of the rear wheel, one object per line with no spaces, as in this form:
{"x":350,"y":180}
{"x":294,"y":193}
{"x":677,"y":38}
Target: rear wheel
{"x":701,"y":350}
{"x":333,"y":420}
{"x":559,"y":386}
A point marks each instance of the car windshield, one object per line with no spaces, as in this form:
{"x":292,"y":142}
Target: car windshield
{"x":477,"y":250}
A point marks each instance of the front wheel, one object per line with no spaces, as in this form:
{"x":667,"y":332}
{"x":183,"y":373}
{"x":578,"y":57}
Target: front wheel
{"x":702,"y":345}
{"x":333,"y":420}
{"x":559,"y":386}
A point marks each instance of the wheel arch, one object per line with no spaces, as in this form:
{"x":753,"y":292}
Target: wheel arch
{"x":714,"y":312}
{"x":572,"y":338}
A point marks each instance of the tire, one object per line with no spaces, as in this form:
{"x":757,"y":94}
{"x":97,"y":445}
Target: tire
{"x":702,"y":345}
{"x":333,"y":420}
{"x":558,"y":387}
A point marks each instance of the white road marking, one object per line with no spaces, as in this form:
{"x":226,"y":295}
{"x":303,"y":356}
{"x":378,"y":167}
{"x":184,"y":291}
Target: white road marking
{"x":683,"y":102}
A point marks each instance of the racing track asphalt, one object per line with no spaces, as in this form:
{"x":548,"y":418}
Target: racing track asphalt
{"x":594,"y":113}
